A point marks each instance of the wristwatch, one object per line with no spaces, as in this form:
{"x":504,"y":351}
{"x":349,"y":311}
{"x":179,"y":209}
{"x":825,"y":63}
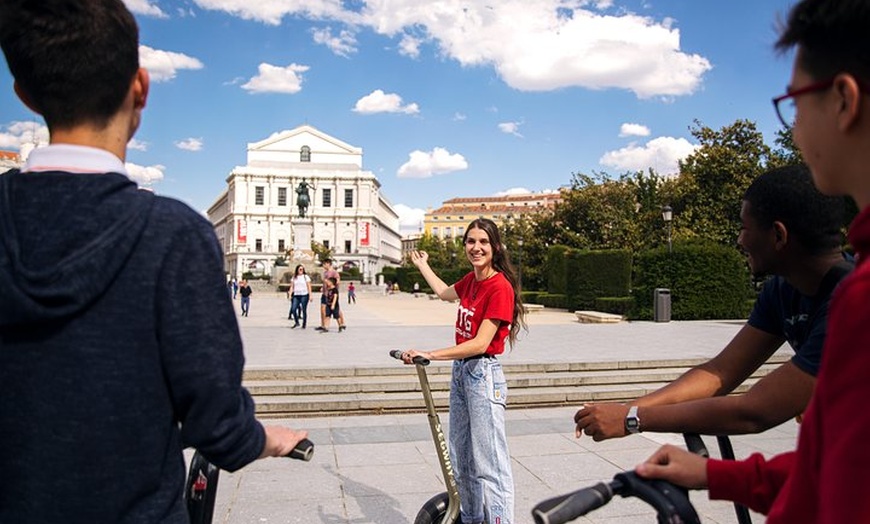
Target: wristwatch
{"x":632,"y":421}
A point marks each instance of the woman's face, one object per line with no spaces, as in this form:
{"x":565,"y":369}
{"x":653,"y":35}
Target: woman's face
{"x":300,"y":270}
{"x":478,"y":249}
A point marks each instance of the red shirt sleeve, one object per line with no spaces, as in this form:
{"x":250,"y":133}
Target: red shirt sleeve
{"x":754,"y":482}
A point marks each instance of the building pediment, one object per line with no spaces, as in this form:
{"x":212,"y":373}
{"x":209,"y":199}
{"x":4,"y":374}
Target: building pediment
{"x":291,"y":142}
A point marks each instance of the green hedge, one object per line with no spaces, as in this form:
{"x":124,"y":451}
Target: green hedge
{"x":616,"y":305}
{"x":530,"y":297}
{"x":553,"y":300}
{"x":557,"y":272}
{"x":593,"y":274}
{"x":706,"y":280}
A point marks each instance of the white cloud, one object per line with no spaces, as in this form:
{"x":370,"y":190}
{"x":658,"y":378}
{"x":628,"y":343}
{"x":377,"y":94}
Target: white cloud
{"x":379,"y":102}
{"x":164,"y":65}
{"x":423,"y":164}
{"x":137,"y":145}
{"x":510,"y":128}
{"x":410,"y":219}
{"x":459,"y":117}
{"x":189,"y":144}
{"x":409,"y":46}
{"x":343,"y":45}
{"x":145,"y":175}
{"x":662,"y":154}
{"x":144,"y":7}
{"x":513,"y":191}
{"x":18,"y":133}
{"x":542,"y":45}
{"x":272,"y":11}
{"x":275,"y":79}
{"x":633,"y":130}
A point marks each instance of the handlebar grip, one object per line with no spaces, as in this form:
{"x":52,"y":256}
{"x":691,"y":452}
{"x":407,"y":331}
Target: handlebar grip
{"x":397,"y":354}
{"x":303,"y":451}
{"x":568,"y":507}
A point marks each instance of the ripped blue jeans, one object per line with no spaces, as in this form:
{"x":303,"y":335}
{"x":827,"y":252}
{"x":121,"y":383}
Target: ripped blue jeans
{"x":478,"y":443}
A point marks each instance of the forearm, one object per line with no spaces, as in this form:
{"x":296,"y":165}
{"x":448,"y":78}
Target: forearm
{"x":697,"y":383}
{"x":467,"y":349}
{"x":710,"y":416}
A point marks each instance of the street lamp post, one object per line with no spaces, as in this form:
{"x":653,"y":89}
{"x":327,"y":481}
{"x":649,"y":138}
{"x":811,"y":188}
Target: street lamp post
{"x":520,"y":263}
{"x":668,"y":216}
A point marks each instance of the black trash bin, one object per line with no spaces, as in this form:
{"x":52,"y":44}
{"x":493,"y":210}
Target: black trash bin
{"x":662,"y":304}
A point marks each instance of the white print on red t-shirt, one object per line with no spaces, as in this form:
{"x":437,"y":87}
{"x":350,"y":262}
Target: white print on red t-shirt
{"x":463,"y":322}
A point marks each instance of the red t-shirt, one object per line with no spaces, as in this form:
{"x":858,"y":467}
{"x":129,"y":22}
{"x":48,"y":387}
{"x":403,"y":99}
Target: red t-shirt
{"x":491,"y":298}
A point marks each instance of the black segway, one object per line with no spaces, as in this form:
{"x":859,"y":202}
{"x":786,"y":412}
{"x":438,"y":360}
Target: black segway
{"x":443,"y":508}
{"x":200,"y":490}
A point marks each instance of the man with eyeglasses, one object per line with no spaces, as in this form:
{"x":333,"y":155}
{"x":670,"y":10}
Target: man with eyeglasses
{"x":824,"y":479}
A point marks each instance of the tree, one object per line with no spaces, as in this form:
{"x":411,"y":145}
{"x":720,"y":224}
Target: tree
{"x":708,"y":196}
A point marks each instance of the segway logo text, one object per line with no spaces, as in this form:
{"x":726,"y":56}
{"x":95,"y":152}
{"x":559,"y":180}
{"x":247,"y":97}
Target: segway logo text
{"x":445,"y":453}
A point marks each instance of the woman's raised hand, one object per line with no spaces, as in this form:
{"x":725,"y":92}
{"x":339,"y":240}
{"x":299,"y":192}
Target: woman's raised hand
{"x":419,"y":258}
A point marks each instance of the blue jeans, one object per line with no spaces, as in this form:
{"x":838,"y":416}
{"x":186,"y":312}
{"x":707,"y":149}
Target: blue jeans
{"x":246,"y":305}
{"x":478,"y":443}
{"x":298,"y":302}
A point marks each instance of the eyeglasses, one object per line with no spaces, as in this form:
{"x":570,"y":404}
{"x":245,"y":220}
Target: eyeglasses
{"x":786,"y":112}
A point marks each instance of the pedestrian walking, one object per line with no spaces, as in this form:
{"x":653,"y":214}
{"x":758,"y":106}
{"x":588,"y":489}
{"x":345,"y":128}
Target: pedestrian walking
{"x":245,"y":290}
{"x":351,"y":293}
{"x":300,"y":293}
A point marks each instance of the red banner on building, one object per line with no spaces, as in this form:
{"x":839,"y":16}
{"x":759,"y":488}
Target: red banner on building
{"x":364,"y":233}
{"x":242,"y":237}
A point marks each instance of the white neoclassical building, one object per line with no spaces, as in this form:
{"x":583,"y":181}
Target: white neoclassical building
{"x":257,"y":218}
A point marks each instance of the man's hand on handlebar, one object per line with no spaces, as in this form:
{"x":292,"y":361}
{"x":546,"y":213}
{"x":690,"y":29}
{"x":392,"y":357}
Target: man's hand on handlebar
{"x":676,"y":466}
{"x":601,"y":421}
{"x":280,"y":441}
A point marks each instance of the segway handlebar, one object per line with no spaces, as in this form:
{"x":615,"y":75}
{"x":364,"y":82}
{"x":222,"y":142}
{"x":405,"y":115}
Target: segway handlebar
{"x":397,"y":354}
{"x":303,"y":451}
{"x":568,"y":507}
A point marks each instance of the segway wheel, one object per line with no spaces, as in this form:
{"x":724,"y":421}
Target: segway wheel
{"x":433,"y":511}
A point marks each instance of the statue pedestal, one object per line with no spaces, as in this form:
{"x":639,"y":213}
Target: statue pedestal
{"x":303,"y":230}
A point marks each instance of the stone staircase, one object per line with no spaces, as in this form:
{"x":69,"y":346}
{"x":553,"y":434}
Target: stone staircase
{"x":395,"y":389}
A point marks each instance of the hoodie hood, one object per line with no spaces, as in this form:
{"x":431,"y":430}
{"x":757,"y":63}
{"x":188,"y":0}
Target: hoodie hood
{"x":63,"y":239}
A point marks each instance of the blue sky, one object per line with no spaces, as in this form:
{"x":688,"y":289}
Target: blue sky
{"x":446,"y":98}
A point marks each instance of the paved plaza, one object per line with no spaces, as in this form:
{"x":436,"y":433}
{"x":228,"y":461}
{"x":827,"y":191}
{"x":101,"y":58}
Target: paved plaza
{"x":381,"y":468}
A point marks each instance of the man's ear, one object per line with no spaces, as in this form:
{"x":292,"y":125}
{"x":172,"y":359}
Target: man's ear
{"x":25,"y":98}
{"x":849,"y":92}
{"x":141,"y":85}
{"x":780,"y":233}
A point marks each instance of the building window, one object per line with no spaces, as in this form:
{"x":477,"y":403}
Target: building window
{"x":348,"y":198}
{"x":305,"y":154}
{"x":434,"y":231}
{"x":460,"y":231}
{"x":281,"y":245}
{"x":258,"y":245}
{"x":259,"y":194}
{"x":347,"y":247}
{"x":327,"y":197}
{"x":448,"y":232}
{"x":282,"y":196}
{"x":326,"y":244}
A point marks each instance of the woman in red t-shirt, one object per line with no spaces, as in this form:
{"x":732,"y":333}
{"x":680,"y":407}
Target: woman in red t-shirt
{"x":490,"y":311}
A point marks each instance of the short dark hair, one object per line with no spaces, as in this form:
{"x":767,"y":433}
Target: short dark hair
{"x":831,"y":35}
{"x":326,"y":261}
{"x":74,"y":59}
{"x":788,"y":195}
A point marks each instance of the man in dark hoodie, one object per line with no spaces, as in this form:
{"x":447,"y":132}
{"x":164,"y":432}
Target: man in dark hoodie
{"x":103,"y":381}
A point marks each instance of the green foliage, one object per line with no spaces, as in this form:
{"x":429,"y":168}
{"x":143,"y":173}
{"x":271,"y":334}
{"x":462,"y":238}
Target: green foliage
{"x":530,"y":297}
{"x":706,"y":280}
{"x":593,"y":274}
{"x":708,"y":195}
{"x":616,"y":305}
{"x":553,"y":300}
{"x":557,"y":281}
{"x":321,"y":252}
